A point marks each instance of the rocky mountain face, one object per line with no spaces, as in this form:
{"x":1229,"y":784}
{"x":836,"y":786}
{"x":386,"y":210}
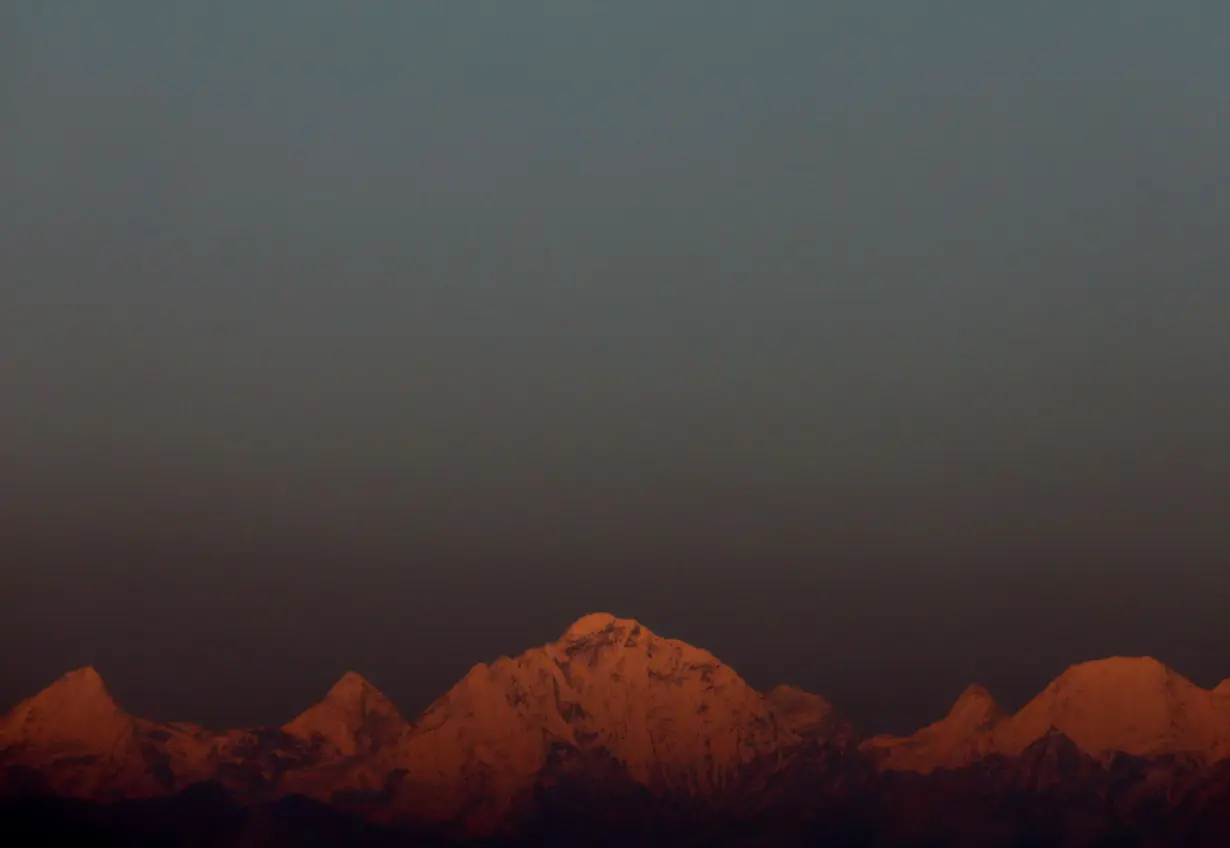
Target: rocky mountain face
{"x":615,"y":735}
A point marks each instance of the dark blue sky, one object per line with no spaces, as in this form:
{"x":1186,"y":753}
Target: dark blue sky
{"x":876,"y":348}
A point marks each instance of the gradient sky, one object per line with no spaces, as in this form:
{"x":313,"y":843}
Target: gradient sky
{"x":876,"y":347}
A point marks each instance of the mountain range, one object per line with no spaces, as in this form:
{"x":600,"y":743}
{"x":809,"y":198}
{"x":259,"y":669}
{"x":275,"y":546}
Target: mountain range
{"x":615,"y":735}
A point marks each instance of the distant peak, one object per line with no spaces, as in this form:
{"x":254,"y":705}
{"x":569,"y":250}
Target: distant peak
{"x":974,"y":708}
{"x":353,"y":693}
{"x":353,"y":716}
{"x":84,"y":682}
{"x":1136,"y":705}
{"x":1115,"y":671}
{"x":593,"y":623}
{"x":86,"y":673}
{"x":81,"y":689}
{"x":77,"y":709}
{"x":975,"y":693}
{"x":350,"y":684}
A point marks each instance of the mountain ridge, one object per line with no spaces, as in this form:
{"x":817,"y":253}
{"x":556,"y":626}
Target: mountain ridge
{"x":609,"y":703}
{"x":1130,"y":705}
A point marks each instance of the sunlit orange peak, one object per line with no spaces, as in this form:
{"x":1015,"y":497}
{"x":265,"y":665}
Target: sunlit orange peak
{"x":590,"y":624}
{"x":84,"y":682}
{"x":350,"y":683}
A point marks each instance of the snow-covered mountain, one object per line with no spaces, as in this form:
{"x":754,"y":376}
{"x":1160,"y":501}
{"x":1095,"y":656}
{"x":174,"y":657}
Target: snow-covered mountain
{"x":1130,"y":705}
{"x":354,"y":718}
{"x":674,"y":717}
{"x":613,"y":722}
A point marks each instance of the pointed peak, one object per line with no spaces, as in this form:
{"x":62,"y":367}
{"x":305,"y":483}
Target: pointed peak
{"x":76,"y":709}
{"x":976,"y":690}
{"x":81,"y":684}
{"x":354,"y":716}
{"x":353,"y":693}
{"x":1223,"y":688}
{"x":86,"y":674}
{"x":975,"y":693}
{"x":974,"y":708}
{"x":349,"y":686}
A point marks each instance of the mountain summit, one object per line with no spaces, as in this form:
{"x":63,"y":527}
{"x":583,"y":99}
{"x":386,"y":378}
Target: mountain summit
{"x":75,"y":712}
{"x":354,"y":718}
{"x":963,"y":736}
{"x":1135,"y":705}
{"x":78,"y":739}
{"x":595,"y":622}
{"x":672,"y":716}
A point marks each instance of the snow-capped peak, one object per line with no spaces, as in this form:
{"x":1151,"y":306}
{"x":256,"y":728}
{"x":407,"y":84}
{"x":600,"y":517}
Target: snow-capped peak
{"x":351,"y":686}
{"x":353,"y":718}
{"x":974,"y":708}
{"x":75,"y":711}
{"x":1132,"y":704}
{"x":80,"y":683}
{"x":595,"y":622}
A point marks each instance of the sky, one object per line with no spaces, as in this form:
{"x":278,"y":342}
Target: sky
{"x":878,"y":348}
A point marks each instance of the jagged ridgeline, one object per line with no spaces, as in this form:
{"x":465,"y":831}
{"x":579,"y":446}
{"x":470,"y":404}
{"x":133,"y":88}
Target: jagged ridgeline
{"x":613,"y":733}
